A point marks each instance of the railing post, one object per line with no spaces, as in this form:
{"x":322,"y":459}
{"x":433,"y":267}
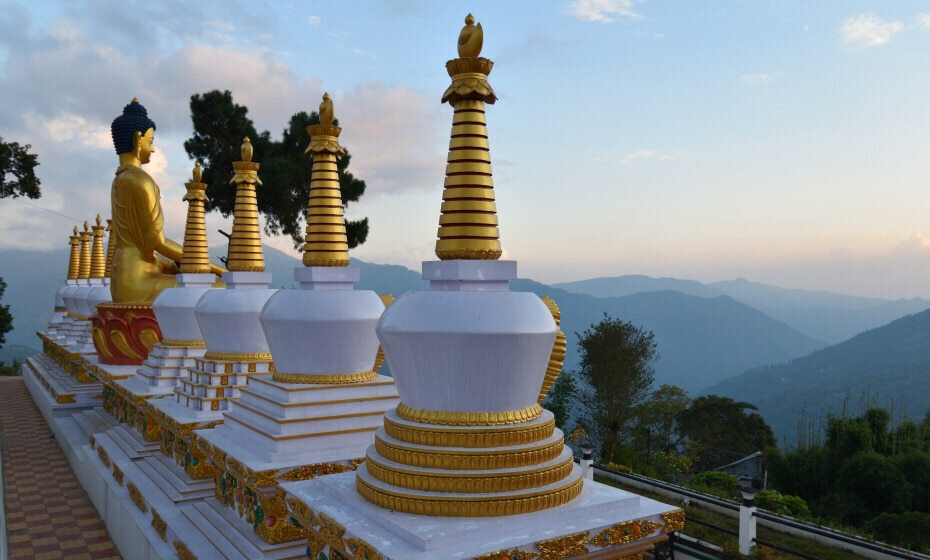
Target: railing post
{"x":587,"y":462}
{"x":747,"y":519}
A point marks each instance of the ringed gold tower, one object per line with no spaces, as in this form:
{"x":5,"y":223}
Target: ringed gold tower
{"x":471,"y":360}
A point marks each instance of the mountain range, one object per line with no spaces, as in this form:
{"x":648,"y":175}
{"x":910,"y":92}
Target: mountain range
{"x":821,"y":315}
{"x":888,"y":366}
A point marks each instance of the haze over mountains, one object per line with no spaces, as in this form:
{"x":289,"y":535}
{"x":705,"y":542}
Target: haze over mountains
{"x":706,"y":333}
{"x":821,"y":315}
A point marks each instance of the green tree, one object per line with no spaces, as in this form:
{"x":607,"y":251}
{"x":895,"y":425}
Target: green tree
{"x":617,"y":367}
{"x":911,"y":529}
{"x":219,"y":127}
{"x":656,"y":420}
{"x":6,"y":319}
{"x":17,"y":171}
{"x":561,"y":398}
{"x":720,"y":430}
{"x":876,"y":485}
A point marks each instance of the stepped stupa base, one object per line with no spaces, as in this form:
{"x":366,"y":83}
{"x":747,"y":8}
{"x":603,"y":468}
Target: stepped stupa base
{"x":603,"y":522}
{"x":285,"y":432}
{"x":179,"y":444}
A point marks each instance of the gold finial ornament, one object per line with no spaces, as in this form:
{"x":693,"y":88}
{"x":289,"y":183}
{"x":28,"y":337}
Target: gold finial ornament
{"x":325,"y":243}
{"x":98,"y":259}
{"x":246,"y":150}
{"x":327,"y":114}
{"x":245,"y":243}
{"x":74,"y":260}
{"x":84,"y":271}
{"x":135,"y":100}
{"x":471,"y":38}
{"x":196,"y":256}
{"x":557,"y":357}
{"x":468,"y":224}
{"x":111,"y":250}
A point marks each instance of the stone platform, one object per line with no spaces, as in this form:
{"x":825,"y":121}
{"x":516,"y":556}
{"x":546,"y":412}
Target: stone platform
{"x":603,"y":522}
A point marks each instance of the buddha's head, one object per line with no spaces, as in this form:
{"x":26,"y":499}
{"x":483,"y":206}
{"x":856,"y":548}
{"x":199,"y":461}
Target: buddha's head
{"x":134,"y":132}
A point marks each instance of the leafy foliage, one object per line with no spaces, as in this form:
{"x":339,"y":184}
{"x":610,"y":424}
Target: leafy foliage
{"x":719,"y":430}
{"x":617,"y":368}
{"x":561,"y":398}
{"x":716,"y":483}
{"x":911,"y":529}
{"x":220,"y":124}
{"x":783,"y":504}
{"x":17,"y":171}
{"x":6,"y":319}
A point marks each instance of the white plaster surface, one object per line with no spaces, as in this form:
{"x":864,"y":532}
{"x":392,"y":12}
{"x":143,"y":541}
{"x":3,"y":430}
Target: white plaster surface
{"x":326,"y":277}
{"x":69,"y":293}
{"x":183,"y":414}
{"x":405,"y":536}
{"x":467,"y":351}
{"x":81,"y":303}
{"x":322,"y":331}
{"x":174,"y":307}
{"x":252,"y":430}
{"x":99,"y":293}
{"x":229,"y":319}
{"x":470,"y":275}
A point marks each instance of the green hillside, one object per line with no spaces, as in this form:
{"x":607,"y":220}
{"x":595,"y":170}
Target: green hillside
{"x":888,"y":366}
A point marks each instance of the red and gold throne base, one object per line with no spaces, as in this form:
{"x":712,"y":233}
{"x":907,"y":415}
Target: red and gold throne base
{"x":124,"y":333}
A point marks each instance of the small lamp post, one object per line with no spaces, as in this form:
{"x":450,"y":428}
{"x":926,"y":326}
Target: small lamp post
{"x":587,"y":461}
{"x":748,"y":488}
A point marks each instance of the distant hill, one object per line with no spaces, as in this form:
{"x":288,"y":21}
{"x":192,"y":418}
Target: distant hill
{"x":699,"y":339}
{"x":890,"y":363}
{"x":823,"y":315}
{"x":619,"y":286}
{"x":819,"y":314}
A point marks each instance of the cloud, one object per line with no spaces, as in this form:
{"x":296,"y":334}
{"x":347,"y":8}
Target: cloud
{"x":395,"y":135}
{"x":756,"y":78}
{"x":869,"y":30}
{"x":641,"y":154}
{"x":602,"y":10}
{"x":62,"y":86}
{"x":922,"y":20}
{"x":313,"y":21}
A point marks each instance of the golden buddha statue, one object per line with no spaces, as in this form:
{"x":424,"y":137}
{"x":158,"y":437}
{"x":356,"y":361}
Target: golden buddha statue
{"x":145,"y":261}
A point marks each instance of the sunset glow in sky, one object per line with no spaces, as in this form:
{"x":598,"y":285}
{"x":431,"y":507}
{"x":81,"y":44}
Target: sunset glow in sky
{"x":784,"y":142}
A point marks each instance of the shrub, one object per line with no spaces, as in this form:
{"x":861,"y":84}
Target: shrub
{"x":783,"y":504}
{"x":714,"y":482}
{"x":910,"y":529}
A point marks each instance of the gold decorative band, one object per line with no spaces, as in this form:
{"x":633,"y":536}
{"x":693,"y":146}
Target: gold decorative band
{"x":183,"y":343}
{"x":324,"y":379}
{"x":468,"y":460}
{"x":238,"y":357}
{"x":469,"y":507}
{"x":461,"y":418}
{"x":111,"y":305}
{"x":468,"y":482}
{"x":450,"y":437}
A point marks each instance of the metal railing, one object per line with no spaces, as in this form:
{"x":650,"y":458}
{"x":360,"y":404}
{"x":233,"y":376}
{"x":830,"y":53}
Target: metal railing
{"x":812,"y":531}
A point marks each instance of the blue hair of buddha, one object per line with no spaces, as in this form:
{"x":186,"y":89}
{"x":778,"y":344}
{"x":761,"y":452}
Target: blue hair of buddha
{"x":134,"y":119}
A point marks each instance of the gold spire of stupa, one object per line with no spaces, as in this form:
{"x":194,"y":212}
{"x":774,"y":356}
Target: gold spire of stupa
{"x":557,"y":357}
{"x":98,"y":259}
{"x":245,"y":243}
{"x":74,"y":260}
{"x":84,"y":268}
{"x":468,"y":224}
{"x":111,"y":249}
{"x":196,"y":257}
{"x":326,"y":243}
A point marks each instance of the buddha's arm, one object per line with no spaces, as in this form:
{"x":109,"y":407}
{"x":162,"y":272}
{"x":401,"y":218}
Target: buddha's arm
{"x":148,"y":205}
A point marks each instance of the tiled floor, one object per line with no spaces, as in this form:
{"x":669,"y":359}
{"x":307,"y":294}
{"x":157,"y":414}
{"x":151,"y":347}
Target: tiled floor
{"x":48,"y":515}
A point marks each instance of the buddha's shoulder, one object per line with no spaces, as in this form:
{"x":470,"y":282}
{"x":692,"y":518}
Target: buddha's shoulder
{"x":132,"y":176}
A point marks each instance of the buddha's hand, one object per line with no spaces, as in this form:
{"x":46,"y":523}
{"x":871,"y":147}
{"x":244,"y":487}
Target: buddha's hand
{"x":166,"y":265}
{"x":217,"y":269}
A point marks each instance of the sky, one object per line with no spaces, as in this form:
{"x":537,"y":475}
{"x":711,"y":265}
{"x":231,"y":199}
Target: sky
{"x":783,"y":142}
